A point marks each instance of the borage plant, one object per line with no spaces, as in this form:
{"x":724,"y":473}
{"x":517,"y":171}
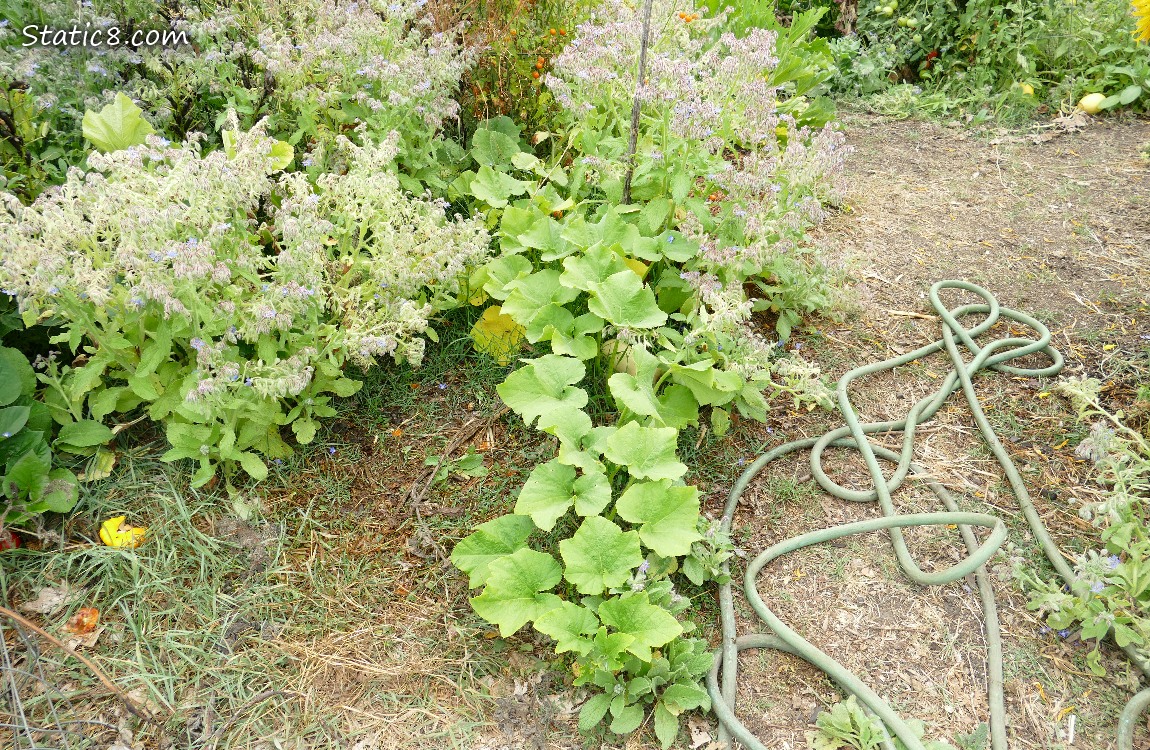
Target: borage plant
{"x":183,"y":288}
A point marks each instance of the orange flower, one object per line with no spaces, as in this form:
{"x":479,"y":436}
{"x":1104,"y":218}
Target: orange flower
{"x":535,"y":74}
{"x":553,"y":32}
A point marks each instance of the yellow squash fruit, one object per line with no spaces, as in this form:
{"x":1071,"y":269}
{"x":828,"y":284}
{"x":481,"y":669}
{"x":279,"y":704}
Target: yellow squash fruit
{"x":1091,"y":104}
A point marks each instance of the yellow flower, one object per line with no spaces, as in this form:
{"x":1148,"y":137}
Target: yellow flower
{"x":1142,"y":17}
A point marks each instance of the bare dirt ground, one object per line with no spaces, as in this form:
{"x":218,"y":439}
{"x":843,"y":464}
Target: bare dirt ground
{"x":1059,"y":229}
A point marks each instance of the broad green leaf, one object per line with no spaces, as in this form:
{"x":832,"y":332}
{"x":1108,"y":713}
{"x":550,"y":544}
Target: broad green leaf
{"x":593,"y":711}
{"x":547,"y":322}
{"x":666,"y":726}
{"x":304,"y":430}
{"x":12,"y":420}
{"x":588,"y":270}
{"x":648,"y":624}
{"x":254,"y":466}
{"x":592,"y":492}
{"x":635,"y":394}
{"x":624,"y":300}
{"x":669,"y":516}
{"x":568,"y":624}
{"x":156,"y":351}
{"x":600,"y":555}
{"x":344,"y":387}
{"x":647,"y":452}
{"x":720,"y":421}
{"x":705,"y":383}
{"x":117,"y":126}
{"x":104,"y":403}
{"x":682,"y":696}
{"x":83,"y":434}
{"x":578,"y":341}
{"x":628,"y":719}
{"x":491,"y":148}
{"x":494,"y":188}
{"x":678,"y":407}
{"x":29,"y":473}
{"x":553,"y":488}
{"x":514,"y":584}
{"x":543,"y":385}
{"x":502,"y":271}
{"x":60,"y":493}
{"x":566,"y":423}
{"x":655,"y":214}
{"x":547,"y":494}
{"x":17,"y":378}
{"x":528,"y":294}
{"x":497,"y":335}
{"x":546,"y":235}
{"x":489,"y":542}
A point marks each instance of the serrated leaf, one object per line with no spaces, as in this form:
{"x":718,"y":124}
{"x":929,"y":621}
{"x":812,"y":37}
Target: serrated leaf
{"x":568,"y":623}
{"x":489,"y":542}
{"x":117,"y":126}
{"x":669,"y":516}
{"x":543,"y":385}
{"x":599,"y":555}
{"x":494,"y":188}
{"x":497,"y":335}
{"x":514,"y":584}
{"x":553,"y":488}
{"x":590,"y":269}
{"x":530,"y":294}
{"x":624,"y":300}
{"x":648,"y":624}
{"x":647,"y":452}
{"x":491,"y":148}
{"x":502,"y":271}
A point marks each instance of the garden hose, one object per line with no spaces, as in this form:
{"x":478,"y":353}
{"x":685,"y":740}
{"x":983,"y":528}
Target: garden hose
{"x":994,"y":355}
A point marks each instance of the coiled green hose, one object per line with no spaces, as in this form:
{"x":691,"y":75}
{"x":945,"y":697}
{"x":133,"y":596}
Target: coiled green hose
{"x":994,"y":355}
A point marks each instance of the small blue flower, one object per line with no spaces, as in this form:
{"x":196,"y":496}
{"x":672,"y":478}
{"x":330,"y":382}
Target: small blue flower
{"x":1064,"y":633}
{"x":442,"y":386}
{"x":670,"y":238}
{"x":644,"y":567}
{"x":1113,"y":561}
{"x":197,"y":344}
{"x":1097,"y":587}
{"x":307,"y":162}
{"x":247,"y":381}
{"x":331,"y":451}
{"x":279,"y":462}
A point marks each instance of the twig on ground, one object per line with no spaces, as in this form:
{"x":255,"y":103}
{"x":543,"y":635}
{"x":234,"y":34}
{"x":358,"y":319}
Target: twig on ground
{"x":130,"y":704}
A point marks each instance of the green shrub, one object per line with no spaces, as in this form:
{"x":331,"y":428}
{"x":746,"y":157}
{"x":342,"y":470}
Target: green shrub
{"x":224,"y":301}
{"x":1111,"y":593}
{"x":986,"y":50}
{"x":29,"y":485}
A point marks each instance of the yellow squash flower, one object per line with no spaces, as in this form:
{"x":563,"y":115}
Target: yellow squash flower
{"x":1142,"y":19}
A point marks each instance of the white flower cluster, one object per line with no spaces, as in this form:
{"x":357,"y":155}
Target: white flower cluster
{"x":379,"y":53}
{"x":355,"y":267}
{"x":392,"y":261}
